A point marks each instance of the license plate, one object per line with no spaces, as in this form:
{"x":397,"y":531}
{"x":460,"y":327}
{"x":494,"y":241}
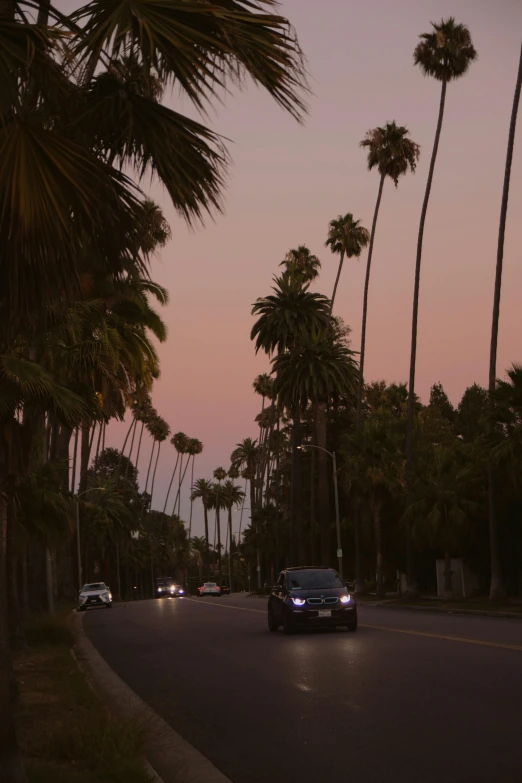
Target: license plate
{"x":324,"y":613}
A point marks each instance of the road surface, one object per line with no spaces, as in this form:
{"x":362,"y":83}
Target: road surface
{"x":411,"y":697}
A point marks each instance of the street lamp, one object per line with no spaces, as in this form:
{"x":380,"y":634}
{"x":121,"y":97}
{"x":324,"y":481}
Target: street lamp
{"x":336,"y":493}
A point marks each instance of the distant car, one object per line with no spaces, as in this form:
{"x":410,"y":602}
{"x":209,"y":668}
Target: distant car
{"x":311,"y":598}
{"x":95,"y":594}
{"x":225,"y":590}
{"x":166,"y":587}
{"x":209,"y":588}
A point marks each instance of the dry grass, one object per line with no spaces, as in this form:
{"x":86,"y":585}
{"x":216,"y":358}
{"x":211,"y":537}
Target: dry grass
{"x":65,"y":733}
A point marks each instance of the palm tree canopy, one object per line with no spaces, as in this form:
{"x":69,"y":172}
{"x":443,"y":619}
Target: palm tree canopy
{"x":289,"y":313}
{"x":233,"y":494}
{"x":194,"y":447}
{"x":447,"y":52}
{"x":201,"y":490}
{"x":391,"y":151}
{"x":302,"y":263}
{"x":316,"y":370}
{"x":180,"y":442}
{"x":263,"y":385}
{"x":244,"y":457}
{"x":374,"y":460}
{"x":346,"y":235}
{"x":220,"y":474}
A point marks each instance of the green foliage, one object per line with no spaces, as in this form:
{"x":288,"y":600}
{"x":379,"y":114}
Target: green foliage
{"x":390,"y":151}
{"x":447,"y":52}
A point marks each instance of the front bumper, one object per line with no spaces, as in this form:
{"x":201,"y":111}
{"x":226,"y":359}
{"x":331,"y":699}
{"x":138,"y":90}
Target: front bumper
{"x":343,"y":615}
{"x":93,"y":601}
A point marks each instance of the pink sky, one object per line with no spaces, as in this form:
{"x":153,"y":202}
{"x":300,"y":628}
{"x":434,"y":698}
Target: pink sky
{"x":288,"y":181}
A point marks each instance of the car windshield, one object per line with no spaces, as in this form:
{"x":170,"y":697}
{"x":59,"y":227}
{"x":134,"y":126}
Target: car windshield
{"x":163,"y":582}
{"x":94,"y":586}
{"x":314,"y":579}
{"x":210,"y":584}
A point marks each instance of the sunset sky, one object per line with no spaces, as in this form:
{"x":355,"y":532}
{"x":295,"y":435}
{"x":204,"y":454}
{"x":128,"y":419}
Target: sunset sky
{"x":287,"y":181}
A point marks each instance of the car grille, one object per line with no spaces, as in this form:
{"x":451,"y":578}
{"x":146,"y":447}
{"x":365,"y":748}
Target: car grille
{"x":329,"y":600}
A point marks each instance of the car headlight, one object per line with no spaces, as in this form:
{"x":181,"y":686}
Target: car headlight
{"x":160,"y":589}
{"x":181,"y":592}
{"x":298,"y":601}
{"x":83,"y":598}
{"x":345,"y":599}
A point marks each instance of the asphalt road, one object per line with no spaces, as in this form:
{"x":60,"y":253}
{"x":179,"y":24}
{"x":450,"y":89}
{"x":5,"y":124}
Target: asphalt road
{"x":410,"y":698}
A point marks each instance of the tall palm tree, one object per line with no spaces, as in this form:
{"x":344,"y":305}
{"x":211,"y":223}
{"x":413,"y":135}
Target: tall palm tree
{"x":162,"y":432}
{"x":179,"y":440}
{"x":199,"y":546}
{"x":195,"y":447}
{"x":346,"y":237}
{"x":301,"y":263}
{"x":317,"y":370}
{"x":497,"y":588}
{"x":393,"y":154}
{"x":202,"y":490}
{"x":446,"y":54}
{"x":233,"y":496}
{"x":218,"y":503}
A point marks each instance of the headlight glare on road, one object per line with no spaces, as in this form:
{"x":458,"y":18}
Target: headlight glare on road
{"x":298,"y":601}
{"x":345,"y":599}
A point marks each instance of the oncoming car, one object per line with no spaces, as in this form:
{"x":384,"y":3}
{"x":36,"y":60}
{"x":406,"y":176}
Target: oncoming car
{"x":95,"y":594}
{"x":166,"y":587}
{"x":311,"y":597}
{"x":209,"y":588}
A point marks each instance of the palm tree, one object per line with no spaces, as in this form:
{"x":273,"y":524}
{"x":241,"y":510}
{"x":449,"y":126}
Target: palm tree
{"x":218,"y":503}
{"x":195,"y":447}
{"x":179,"y":440}
{"x":497,"y":588}
{"x":374,"y":471}
{"x":233,"y":496}
{"x":161,"y":433}
{"x":393,"y":154}
{"x":290,"y":311}
{"x":446,"y":54}
{"x":202,"y":490}
{"x":301,"y":263}
{"x":245,"y":457}
{"x":346,"y":237}
{"x":318,"y":370}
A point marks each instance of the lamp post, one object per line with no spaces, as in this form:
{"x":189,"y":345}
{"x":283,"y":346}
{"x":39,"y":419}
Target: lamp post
{"x":336,"y":494}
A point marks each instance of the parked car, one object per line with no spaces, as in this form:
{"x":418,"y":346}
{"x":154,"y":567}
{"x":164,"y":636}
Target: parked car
{"x":95,"y":594}
{"x":225,"y":590}
{"x":166,"y":587}
{"x":209,"y":588}
{"x":310,"y":597}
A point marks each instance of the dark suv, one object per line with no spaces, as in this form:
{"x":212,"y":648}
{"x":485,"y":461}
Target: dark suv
{"x":310,"y":597}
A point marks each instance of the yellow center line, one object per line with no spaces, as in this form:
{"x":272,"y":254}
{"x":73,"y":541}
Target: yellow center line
{"x":442,"y":637}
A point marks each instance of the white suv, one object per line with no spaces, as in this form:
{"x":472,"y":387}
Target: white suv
{"x":95,"y":594}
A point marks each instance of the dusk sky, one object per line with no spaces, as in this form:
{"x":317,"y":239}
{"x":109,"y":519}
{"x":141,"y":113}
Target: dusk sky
{"x":288,"y":181}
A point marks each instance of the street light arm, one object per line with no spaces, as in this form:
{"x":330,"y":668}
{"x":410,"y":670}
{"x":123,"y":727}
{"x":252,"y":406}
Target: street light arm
{"x":311,"y":446}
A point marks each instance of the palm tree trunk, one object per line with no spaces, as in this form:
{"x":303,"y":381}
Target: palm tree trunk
{"x":178,"y":496}
{"x":85,"y":453}
{"x":296,"y":496}
{"x":365,"y":304}
{"x":448,"y":577}
{"x":122,"y":453}
{"x":139,"y":444}
{"x":191,"y":501}
{"x":497,"y":587}
{"x":154,"y":474}
{"x":98,"y":443}
{"x":322,"y":484}
{"x":410,"y":432}
{"x":207,"y":544}
{"x":277,"y":500}
{"x":177,"y":499}
{"x":230,"y":549}
{"x":341,"y":261}
{"x":218,"y":530}
{"x":103,"y":436}
{"x":376,"y":514}
{"x":150,"y":464}
{"x":75,"y":459}
{"x":170,"y":485}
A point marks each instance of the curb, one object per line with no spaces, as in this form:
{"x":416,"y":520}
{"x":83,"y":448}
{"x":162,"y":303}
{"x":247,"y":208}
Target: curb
{"x":173,"y":759}
{"x":436,"y":610}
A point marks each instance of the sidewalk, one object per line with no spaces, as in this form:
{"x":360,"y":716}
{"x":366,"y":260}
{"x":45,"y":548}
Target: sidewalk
{"x":471,"y":606}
